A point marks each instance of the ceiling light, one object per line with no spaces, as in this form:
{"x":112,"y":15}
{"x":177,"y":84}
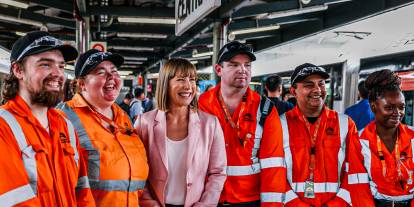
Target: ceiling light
{"x":129,"y":66}
{"x":297,"y":11}
{"x":132,"y":48}
{"x":135,"y":58}
{"x":132,"y":62}
{"x":252,"y":30}
{"x":146,"y":20}
{"x":142,"y":35}
{"x":203,"y":54}
{"x":194,"y":62}
{"x":21,"y":33}
{"x":124,"y":72}
{"x":14,"y":3}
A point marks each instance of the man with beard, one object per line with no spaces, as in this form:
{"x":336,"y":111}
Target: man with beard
{"x":39,"y":159}
{"x":314,"y":142}
{"x":253,"y":144}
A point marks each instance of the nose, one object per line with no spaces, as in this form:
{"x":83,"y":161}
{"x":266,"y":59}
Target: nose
{"x":57,"y":71}
{"x":187,"y":83}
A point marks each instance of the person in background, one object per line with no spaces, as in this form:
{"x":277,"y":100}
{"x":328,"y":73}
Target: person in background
{"x":116,"y":158}
{"x":136,"y":107}
{"x":273,"y":85}
{"x":255,"y":171}
{"x":315,"y":140}
{"x":381,"y":161}
{"x":208,"y":87}
{"x":148,"y":103}
{"x":361,"y":112}
{"x":185,"y":146}
{"x":40,"y":159}
{"x":126,"y":102}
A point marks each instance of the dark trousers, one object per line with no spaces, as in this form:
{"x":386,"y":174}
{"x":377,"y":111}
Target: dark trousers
{"x":247,"y":204}
{"x":387,"y":203}
{"x":170,"y":205}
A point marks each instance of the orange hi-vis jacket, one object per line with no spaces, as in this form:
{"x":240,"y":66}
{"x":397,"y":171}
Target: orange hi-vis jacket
{"x":116,"y":158}
{"x":365,"y":177}
{"x":38,"y":168}
{"x":255,"y":168}
{"x":330,"y":150}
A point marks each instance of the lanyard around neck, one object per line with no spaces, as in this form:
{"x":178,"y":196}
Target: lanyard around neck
{"x":382,"y":158}
{"x":234,"y":126}
{"x":313,"y":143}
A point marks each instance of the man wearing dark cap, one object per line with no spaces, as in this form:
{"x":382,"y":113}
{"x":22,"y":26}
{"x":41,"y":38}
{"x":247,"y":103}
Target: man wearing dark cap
{"x":39,"y":151}
{"x":253,"y":144}
{"x":314,"y":141}
{"x":273,"y":87}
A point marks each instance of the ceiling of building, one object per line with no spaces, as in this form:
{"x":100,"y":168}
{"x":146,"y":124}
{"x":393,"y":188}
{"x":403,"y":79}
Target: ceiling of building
{"x":145,"y":44}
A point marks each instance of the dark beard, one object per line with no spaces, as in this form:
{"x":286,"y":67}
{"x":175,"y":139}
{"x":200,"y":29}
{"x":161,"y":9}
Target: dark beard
{"x":46,"y":98}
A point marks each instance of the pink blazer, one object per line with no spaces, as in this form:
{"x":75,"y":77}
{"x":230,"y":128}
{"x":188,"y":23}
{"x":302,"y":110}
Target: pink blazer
{"x":206,"y":161}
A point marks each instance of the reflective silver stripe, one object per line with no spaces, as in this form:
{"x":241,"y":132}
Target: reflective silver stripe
{"x":412,"y":147}
{"x":358,"y":178}
{"x":243,"y":170}
{"x":83,"y":182}
{"x":346,"y":167}
{"x":327,"y":187}
{"x":271,"y":197}
{"x":272,"y":162}
{"x":258,"y":136}
{"x":343,"y":132}
{"x":286,"y":147}
{"x":16,"y":196}
{"x":289,"y":196}
{"x":28,"y":154}
{"x":72,"y":138}
{"x":117,"y":185}
{"x":344,"y":194}
{"x":94,"y":161}
{"x":360,"y":132}
{"x":378,"y":195}
{"x":366,"y":153}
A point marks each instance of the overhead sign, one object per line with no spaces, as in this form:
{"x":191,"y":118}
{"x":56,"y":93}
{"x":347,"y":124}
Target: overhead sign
{"x":189,"y":12}
{"x":101,"y":46}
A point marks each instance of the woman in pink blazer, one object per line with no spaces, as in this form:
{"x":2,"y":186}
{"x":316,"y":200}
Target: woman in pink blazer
{"x":185,"y":147}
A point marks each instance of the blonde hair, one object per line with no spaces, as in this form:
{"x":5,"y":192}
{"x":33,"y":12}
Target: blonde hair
{"x":171,"y":68}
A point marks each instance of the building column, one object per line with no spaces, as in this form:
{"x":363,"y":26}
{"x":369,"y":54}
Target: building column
{"x":83,"y":34}
{"x":350,"y":79}
{"x":219,"y":40}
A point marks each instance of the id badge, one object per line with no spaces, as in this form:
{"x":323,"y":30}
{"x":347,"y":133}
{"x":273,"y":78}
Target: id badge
{"x":309,"y":189}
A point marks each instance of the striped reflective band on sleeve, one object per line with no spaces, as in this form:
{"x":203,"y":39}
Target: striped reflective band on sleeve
{"x":72,"y":138}
{"x":258,"y":133}
{"x":28,"y":154}
{"x":358,"y":178}
{"x":272,"y":162}
{"x":327,"y":187}
{"x":83,"y":183}
{"x":286,"y":147}
{"x":117,"y":185}
{"x":343,"y":132}
{"x":243,"y":170}
{"x":344,"y":194}
{"x":16,"y":196}
{"x":271,"y":197}
{"x":289,"y":196}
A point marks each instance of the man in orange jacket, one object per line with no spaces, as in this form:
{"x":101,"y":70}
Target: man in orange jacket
{"x":254,"y":149}
{"x":315,"y":141}
{"x":39,"y":150}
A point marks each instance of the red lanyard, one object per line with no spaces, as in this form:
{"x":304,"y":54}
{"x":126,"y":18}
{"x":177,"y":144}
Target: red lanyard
{"x":313,"y":144}
{"x":235,"y":126}
{"x":382,"y":158}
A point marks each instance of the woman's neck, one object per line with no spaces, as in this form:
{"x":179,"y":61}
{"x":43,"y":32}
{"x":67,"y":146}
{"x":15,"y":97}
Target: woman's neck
{"x":103,"y":109}
{"x":387,"y":134}
{"x":179,"y":111}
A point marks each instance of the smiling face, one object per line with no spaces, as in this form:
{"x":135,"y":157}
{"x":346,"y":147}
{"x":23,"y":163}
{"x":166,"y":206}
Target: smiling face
{"x":235,"y":73}
{"x":41,"y":77}
{"x":389,"y":109}
{"x":182,"y":89}
{"x":102,"y":85}
{"x":310,"y":93}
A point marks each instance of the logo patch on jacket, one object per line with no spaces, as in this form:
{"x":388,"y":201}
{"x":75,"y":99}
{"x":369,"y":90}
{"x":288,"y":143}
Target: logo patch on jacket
{"x":330,"y":131}
{"x":247,"y":117}
{"x":63,"y":138}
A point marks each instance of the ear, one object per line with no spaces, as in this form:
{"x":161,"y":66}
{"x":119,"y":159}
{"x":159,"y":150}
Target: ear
{"x":218,"y":68}
{"x":292,"y":91}
{"x":81,"y":84}
{"x":373,"y":107}
{"x":17,"y":71}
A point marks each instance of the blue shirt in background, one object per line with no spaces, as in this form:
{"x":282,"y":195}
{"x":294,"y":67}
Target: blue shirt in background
{"x":361,"y":113}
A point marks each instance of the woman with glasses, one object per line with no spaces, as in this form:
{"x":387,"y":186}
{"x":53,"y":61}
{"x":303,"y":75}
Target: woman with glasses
{"x":185,"y":147}
{"x":116,"y":158}
{"x":381,"y":161}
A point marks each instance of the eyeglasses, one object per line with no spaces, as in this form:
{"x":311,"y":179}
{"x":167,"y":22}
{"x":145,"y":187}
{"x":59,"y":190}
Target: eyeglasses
{"x":45,"y":41}
{"x":234,"y":47}
{"x":308,"y":70}
{"x":94,"y":59}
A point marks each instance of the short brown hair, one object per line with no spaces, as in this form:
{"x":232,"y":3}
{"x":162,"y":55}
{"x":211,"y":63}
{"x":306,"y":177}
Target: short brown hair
{"x":167,"y":72}
{"x":10,"y":86}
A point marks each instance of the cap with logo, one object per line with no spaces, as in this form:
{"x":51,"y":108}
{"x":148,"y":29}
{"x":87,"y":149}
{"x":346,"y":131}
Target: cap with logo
{"x":37,"y":42}
{"x":90,"y":59}
{"x":305,"y":70}
{"x":231,"y":49}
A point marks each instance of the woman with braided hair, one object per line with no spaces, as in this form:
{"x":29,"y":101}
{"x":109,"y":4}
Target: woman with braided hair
{"x":381,"y":161}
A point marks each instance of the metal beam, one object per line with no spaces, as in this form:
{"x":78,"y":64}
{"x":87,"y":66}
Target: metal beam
{"x":58,"y":4}
{"x":141,"y":43}
{"x":81,"y":6}
{"x":138,"y":28}
{"x":244,"y":24}
{"x":22,"y":14}
{"x":163,"y":12}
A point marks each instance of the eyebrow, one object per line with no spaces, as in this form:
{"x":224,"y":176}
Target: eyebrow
{"x":50,"y":60}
